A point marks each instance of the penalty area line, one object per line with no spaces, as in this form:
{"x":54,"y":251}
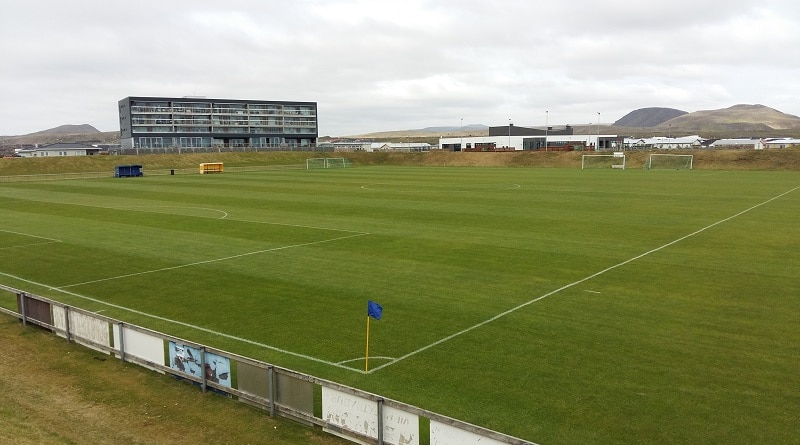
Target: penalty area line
{"x":45,"y":239}
{"x":575,"y":283}
{"x":31,"y":236}
{"x":214,"y":260}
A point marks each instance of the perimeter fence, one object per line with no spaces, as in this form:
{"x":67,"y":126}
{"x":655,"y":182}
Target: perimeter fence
{"x":148,"y":172}
{"x":353,"y":414}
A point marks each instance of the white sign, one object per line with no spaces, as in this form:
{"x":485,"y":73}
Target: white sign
{"x":360,"y":415}
{"x":83,"y":328}
{"x":443,"y":434}
{"x":141,"y":345}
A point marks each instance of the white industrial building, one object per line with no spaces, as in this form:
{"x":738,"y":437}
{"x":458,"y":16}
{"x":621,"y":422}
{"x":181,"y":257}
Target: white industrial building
{"x":58,"y":149}
{"x":664,"y":143}
{"x":757,"y":144}
{"x":350,"y":146}
{"x":782,"y":143}
{"x":513,"y":138}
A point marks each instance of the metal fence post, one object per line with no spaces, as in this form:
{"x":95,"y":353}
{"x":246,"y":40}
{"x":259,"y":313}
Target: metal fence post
{"x":203,"y":366}
{"x":66,"y":322}
{"x":22,"y":309}
{"x":121,"y":342}
{"x":271,"y":382}
{"x":380,"y":421}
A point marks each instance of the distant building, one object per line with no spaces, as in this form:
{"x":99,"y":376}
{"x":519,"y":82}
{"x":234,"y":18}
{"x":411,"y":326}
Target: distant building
{"x":757,"y":144}
{"x":154,"y":123}
{"x":513,"y":138}
{"x":351,"y":146}
{"x":664,"y":143}
{"x":782,"y":143}
{"x":516,"y":130}
{"x":58,"y":149}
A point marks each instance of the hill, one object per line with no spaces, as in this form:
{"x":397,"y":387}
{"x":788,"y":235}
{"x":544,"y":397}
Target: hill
{"x":84,"y":133}
{"x":427,"y":132}
{"x":742,"y":117}
{"x":648,"y":117}
{"x":737,"y":121}
{"x":67,"y":129}
{"x":741,"y":120}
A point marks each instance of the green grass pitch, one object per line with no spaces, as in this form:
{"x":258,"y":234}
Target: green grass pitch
{"x":559,"y":306}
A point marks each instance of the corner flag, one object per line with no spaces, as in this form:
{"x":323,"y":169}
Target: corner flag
{"x":374,"y":310}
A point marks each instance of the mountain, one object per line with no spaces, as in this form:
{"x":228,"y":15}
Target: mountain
{"x":467,"y":128}
{"x":648,"y":117}
{"x":429,"y":132}
{"x":67,"y":129}
{"x":84,"y":133}
{"x":742,"y":117}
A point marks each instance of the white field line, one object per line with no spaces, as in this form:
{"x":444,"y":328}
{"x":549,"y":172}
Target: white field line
{"x":28,"y":245}
{"x":143,"y":209}
{"x":188,"y":325}
{"x":133,"y":209}
{"x":361,"y":359}
{"x":542,"y":297}
{"x":46,"y":240}
{"x":395,"y":188}
{"x":213,"y":260}
{"x":32,"y":236}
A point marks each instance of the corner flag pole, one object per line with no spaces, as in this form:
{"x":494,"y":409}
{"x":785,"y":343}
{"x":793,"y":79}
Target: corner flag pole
{"x":375,"y":311}
{"x":366,"y":360}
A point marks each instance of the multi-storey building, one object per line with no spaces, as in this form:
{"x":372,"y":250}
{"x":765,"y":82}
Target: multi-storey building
{"x":164,"y":122}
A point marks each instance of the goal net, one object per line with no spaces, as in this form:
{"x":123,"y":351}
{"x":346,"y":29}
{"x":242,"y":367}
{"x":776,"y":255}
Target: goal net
{"x":616,"y":160}
{"x":312,"y":163}
{"x":661,"y":161}
{"x":337,"y":162}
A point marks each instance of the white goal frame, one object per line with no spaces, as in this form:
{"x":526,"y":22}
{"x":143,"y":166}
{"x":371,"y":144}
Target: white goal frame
{"x":615,"y":160}
{"x":327,"y":163}
{"x":673,"y":163}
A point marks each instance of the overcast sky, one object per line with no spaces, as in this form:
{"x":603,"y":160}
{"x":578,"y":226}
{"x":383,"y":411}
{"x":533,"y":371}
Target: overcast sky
{"x":375,"y":65}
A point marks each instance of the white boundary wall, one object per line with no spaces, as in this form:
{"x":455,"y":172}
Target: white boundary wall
{"x":356,"y":415}
{"x":443,"y":434}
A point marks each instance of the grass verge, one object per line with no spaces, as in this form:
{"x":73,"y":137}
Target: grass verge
{"x":59,"y":393}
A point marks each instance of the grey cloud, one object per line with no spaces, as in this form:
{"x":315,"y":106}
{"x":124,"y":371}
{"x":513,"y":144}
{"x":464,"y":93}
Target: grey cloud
{"x":398,"y":64}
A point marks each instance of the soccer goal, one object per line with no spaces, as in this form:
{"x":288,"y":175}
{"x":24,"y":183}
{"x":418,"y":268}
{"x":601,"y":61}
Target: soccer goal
{"x":337,"y":162}
{"x":615,"y":160}
{"x":312,"y":163}
{"x":663,"y":161}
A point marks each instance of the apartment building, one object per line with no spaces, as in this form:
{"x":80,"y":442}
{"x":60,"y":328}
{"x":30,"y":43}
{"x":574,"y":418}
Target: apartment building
{"x":198,"y":122}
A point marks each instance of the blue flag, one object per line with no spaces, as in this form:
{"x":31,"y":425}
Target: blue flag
{"x":374,"y":310}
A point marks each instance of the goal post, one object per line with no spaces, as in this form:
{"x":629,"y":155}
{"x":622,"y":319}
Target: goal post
{"x":615,"y":160}
{"x":314,"y":163}
{"x":337,"y":162}
{"x":665,"y":161}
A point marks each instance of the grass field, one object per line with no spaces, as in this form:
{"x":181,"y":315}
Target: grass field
{"x":556,"y":305}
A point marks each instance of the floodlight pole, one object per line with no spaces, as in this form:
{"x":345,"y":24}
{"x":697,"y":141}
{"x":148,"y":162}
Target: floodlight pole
{"x":598,"y":132}
{"x":546,"y":127}
{"x":461,"y":144}
{"x":509,"y":132}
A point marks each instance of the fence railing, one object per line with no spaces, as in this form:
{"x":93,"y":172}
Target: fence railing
{"x":348,"y":412}
{"x":147,"y":172}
